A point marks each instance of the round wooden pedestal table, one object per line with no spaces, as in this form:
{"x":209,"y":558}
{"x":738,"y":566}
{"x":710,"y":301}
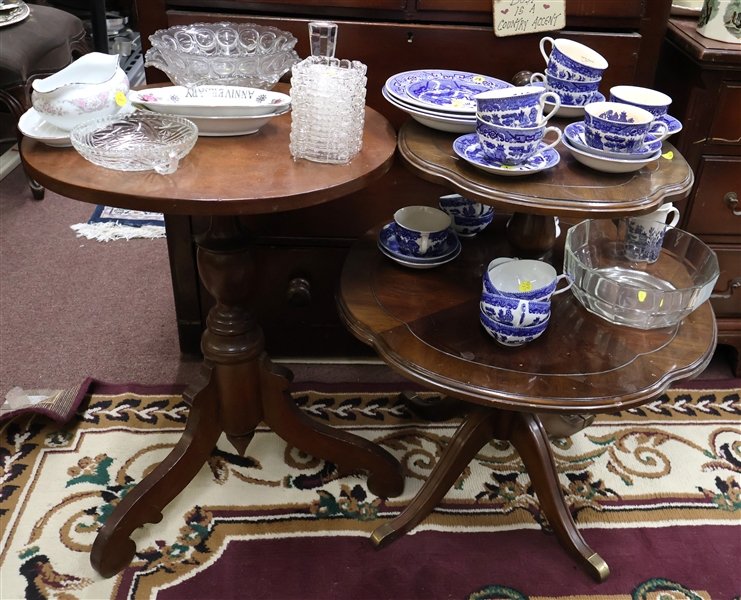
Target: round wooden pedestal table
{"x":425,"y":323}
{"x":568,"y":190}
{"x":238,"y":387}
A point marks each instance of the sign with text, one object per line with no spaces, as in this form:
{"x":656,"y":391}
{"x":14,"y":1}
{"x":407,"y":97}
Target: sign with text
{"x":517,"y":17}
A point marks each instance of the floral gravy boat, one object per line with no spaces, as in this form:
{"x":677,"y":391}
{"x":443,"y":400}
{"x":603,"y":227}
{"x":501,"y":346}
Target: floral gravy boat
{"x":92,"y":86}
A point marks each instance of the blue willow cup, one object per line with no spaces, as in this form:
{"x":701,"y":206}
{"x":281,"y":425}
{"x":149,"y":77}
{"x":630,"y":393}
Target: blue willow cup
{"x":655,"y":102}
{"x":513,"y":145}
{"x":644,"y":236}
{"x":620,"y":127}
{"x":421,"y":230}
{"x":571,"y":93}
{"x":573,"y":61}
{"x":467,"y":217}
{"x":524,"y":279}
{"x":510,"y":335}
{"x":514,"y":311}
{"x":516,"y":106}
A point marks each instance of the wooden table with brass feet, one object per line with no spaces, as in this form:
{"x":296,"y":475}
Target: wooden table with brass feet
{"x":238,"y":387}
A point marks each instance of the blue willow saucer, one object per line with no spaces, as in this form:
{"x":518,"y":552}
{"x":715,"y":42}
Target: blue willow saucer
{"x":446,"y":93}
{"x":387,"y":241}
{"x":468,"y":148}
{"x":673,"y":124}
{"x":574,"y":132}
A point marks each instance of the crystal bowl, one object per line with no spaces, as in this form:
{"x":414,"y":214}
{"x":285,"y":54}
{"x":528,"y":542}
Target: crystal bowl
{"x":242,"y":54}
{"x":139,"y":141}
{"x":638,"y":294}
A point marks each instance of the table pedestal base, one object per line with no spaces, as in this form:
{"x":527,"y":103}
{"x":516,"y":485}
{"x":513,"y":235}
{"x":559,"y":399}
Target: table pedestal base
{"x":237,"y":389}
{"x":530,"y":439}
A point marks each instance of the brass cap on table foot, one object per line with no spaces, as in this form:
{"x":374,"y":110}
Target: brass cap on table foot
{"x":600,"y":571}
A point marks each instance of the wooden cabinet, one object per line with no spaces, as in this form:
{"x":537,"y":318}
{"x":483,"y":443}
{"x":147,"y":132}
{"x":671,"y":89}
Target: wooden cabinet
{"x":703,"y":76}
{"x":389,"y":36}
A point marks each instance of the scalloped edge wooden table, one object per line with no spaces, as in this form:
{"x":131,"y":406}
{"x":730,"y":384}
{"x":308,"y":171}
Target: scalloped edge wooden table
{"x":424,"y":324}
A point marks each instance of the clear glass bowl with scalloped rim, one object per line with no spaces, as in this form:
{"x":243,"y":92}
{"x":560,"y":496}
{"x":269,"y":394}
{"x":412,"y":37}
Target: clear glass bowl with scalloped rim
{"x":242,"y":54}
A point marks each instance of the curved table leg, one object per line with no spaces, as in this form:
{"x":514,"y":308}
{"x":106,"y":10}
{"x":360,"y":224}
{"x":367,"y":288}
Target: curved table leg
{"x":531,"y":236}
{"x":113,"y":548}
{"x":531,"y":441}
{"x":349,"y":452}
{"x":476,"y":430}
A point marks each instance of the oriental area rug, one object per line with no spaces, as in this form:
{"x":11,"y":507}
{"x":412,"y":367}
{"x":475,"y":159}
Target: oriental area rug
{"x":655,"y":490}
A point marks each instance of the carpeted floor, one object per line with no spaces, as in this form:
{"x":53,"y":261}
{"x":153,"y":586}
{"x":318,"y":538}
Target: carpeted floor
{"x":654,"y":490}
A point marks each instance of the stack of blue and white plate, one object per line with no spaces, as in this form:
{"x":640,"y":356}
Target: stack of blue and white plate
{"x":438,"y":98}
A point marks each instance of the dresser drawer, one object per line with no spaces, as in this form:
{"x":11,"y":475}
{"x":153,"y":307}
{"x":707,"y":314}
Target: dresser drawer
{"x":726,"y":127}
{"x":729,"y":259}
{"x":716,"y":177}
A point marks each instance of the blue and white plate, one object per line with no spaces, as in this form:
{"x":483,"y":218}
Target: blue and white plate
{"x":673,"y":124}
{"x":574,"y":132}
{"x":447,"y":94}
{"x":388,"y":246}
{"x":605,"y":164}
{"x":398,"y":84}
{"x":450,"y":122}
{"x":469,"y":149}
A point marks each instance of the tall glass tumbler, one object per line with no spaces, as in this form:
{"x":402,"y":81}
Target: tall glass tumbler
{"x":327,"y":109}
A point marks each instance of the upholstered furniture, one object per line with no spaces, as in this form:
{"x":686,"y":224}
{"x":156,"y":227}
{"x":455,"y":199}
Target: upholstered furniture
{"x":42,"y":44}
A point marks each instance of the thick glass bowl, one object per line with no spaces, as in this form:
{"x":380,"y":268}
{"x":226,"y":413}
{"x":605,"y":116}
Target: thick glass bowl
{"x":139,"y":141}
{"x":638,"y":294}
{"x":242,"y":54}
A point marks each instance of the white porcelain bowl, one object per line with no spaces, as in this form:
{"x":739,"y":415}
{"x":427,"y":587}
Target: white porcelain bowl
{"x":608,"y":165}
{"x":93,"y":86}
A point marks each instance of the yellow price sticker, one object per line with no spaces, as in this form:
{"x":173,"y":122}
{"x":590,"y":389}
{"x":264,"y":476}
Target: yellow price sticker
{"x":668,"y":155}
{"x":641,"y":296}
{"x":506,"y":166}
{"x":526,"y":286}
{"x":477,"y":79}
{"x":121,"y":98}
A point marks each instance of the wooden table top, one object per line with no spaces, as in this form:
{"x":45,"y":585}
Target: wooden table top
{"x":425,"y":324}
{"x":250,"y":174}
{"x":570,"y":189}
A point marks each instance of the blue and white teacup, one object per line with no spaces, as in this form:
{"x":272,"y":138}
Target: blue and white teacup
{"x":420,"y":230}
{"x":513,"y":145}
{"x":644,"y":236}
{"x":468,"y":218}
{"x":514,"y":311}
{"x":572,"y":61}
{"x":620,"y":127}
{"x":572,"y":93}
{"x":516,"y":106}
{"x":655,"y":102}
{"x":524,"y":279}
{"x":510,"y":335}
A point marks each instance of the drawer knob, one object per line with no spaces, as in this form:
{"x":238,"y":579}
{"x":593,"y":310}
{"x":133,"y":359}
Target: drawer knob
{"x":299,"y":292}
{"x":735,"y":284}
{"x":731,"y":200}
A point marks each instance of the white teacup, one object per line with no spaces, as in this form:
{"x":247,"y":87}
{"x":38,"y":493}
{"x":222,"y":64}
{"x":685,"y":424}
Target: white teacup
{"x":573,"y":61}
{"x":644,"y":236}
{"x":524,"y":279}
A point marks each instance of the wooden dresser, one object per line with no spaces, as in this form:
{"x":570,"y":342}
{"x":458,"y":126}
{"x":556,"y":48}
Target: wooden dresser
{"x":703,"y":76}
{"x":303,"y":251}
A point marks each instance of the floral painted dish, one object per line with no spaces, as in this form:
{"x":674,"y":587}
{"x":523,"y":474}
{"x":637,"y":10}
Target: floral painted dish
{"x":398,"y":84}
{"x":469,"y":149}
{"x":211,"y":100}
{"x":574,"y":132}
